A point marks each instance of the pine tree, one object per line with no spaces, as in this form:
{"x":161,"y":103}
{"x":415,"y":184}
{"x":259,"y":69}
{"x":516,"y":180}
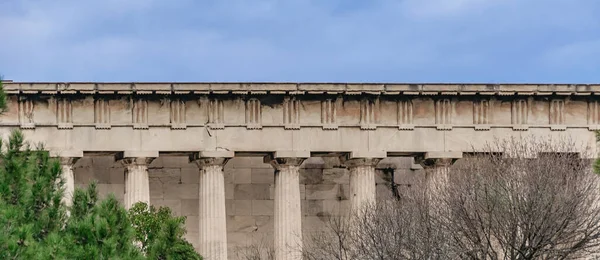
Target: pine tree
{"x":3,"y":101}
{"x":30,"y":199}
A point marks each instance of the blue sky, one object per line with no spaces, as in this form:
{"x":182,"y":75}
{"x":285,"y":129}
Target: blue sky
{"x":545,"y":41}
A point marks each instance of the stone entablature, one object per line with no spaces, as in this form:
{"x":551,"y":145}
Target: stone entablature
{"x":292,"y":106}
{"x":400,"y":119}
{"x":300,"y":88}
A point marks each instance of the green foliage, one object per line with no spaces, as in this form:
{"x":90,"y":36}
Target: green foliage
{"x":30,"y":199}
{"x":3,"y":101}
{"x":99,"y":230}
{"x":160,"y":233}
{"x":36,"y":224}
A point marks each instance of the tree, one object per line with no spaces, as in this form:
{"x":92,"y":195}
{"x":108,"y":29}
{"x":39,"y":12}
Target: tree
{"x":30,"y":200}
{"x":533,"y":200}
{"x":516,"y":199}
{"x":3,"y":101}
{"x":98,"y":229}
{"x":160,"y":234}
{"x":33,"y":219}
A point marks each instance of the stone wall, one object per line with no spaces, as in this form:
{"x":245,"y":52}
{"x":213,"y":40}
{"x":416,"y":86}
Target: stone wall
{"x":324,"y":187}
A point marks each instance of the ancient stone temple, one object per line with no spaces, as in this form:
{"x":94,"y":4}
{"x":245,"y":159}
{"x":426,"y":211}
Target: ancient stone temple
{"x":267,"y":162}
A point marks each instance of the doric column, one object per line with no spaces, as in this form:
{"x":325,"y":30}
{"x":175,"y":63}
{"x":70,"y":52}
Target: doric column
{"x":211,"y":197}
{"x":137,"y":184}
{"x":437,"y":168}
{"x":288,"y":214}
{"x":66,"y":164}
{"x":362,"y":181}
{"x":67,"y":160}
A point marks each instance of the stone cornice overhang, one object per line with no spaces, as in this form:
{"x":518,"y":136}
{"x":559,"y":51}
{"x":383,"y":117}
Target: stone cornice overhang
{"x":204,"y":88}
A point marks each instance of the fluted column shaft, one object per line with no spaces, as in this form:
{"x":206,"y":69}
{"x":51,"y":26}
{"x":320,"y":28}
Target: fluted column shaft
{"x":137,"y":184}
{"x":66,"y":164}
{"x":437,"y":173}
{"x":362,"y":182}
{"x":288,"y":213}
{"x":212,"y":216}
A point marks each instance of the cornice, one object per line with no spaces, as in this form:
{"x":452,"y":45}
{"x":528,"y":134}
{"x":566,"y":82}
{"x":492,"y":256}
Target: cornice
{"x":218,"y":88}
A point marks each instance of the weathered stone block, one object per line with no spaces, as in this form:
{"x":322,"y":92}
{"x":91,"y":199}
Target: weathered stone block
{"x":116,"y":189}
{"x":331,"y":162}
{"x":84,"y":162}
{"x":247,"y":162}
{"x":156,"y":190}
{"x":311,"y":176}
{"x":241,"y":224}
{"x":180,"y":191}
{"x":190,"y":175}
{"x":117,"y":175}
{"x":83,"y":175}
{"x":322,"y":191}
{"x":336,"y":207}
{"x":237,"y":239}
{"x":263,"y":175}
{"x":189,"y":207}
{"x":100,"y":174}
{"x":262,"y":207}
{"x":314,"y":223}
{"x":172,"y":162}
{"x":243,"y":191}
{"x":192,"y":224}
{"x":312,"y":207}
{"x":166,"y":175}
{"x":242,"y":175}
{"x":106,"y":161}
{"x":261,"y":191}
{"x":229,"y":191}
{"x":407,"y":177}
{"x":344,"y":192}
{"x":383,"y":192}
{"x":383,"y":176}
{"x":264,"y":223}
{"x":336,"y":175}
{"x":242,"y":207}
{"x":228,"y":174}
{"x":229,"y":209}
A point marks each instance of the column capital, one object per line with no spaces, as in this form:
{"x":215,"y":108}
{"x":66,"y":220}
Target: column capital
{"x":362,"y":158}
{"x":286,"y":158}
{"x":355,"y":162}
{"x":218,"y":161}
{"x":136,"y":161}
{"x":438,"y":159}
{"x":128,"y":158}
{"x":209,"y":158}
